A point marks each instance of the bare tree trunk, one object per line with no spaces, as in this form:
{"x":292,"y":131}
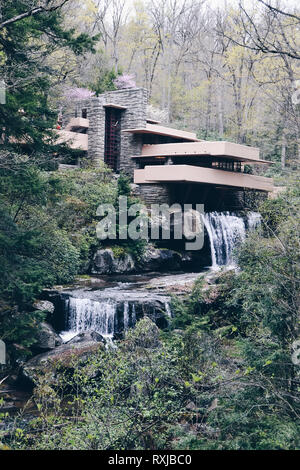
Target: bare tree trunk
{"x":208,"y":107}
{"x":220,"y":98}
{"x":283,"y":150}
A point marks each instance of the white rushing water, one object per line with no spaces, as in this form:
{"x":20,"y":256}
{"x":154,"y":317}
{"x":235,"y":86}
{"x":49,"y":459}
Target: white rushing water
{"x":84,"y":314}
{"x":87,"y":314}
{"x":168,"y":309}
{"x":225,"y":232}
{"x":126,"y":316}
{"x":253,"y":220}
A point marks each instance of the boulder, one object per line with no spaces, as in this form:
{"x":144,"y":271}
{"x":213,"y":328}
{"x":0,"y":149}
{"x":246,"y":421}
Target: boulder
{"x":62,"y":356}
{"x":156,"y":259}
{"x":104,"y":262}
{"x":44,"y":305}
{"x":87,"y":336}
{"x":47,"y":338}
{"x":145,"y":335}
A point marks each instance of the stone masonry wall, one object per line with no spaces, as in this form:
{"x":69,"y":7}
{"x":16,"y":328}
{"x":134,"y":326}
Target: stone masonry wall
{"x":154,"y":193}
{"x":133,"y":117}
{"x":135,"y":100}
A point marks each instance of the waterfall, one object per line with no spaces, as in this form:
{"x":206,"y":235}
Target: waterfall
{"x":168,"y":309}
{"x":126,"y":316}
{"x":225,"y":232}
{"x":253,"y":220}
{"x":108,"y":316}
{"x":87,"y":314}
{"x":133,"y":315}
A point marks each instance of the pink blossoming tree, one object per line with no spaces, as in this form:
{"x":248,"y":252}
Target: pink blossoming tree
{"x":124,"y":81}
{"x":78,"y":93}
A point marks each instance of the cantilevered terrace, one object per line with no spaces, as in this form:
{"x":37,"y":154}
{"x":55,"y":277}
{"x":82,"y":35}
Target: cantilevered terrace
{"x":75,"y":134}
{"x":213,"y":163}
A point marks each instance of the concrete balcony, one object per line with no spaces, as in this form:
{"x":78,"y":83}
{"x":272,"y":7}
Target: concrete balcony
{"x":195,"y":174}
{"x":226,"y":150}
{"x":74,"y":140}
{"x":155,"y":129}
{"x":77,"y":124}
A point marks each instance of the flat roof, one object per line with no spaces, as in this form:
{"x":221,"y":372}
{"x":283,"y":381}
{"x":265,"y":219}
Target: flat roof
{"x":161,"y":130}
{"x":77,"y":123}
{"x":152,"y":121}
{"x":220,"y":149}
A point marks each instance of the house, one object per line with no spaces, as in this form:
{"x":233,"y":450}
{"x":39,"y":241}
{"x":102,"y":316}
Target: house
{"x":166,"y":164}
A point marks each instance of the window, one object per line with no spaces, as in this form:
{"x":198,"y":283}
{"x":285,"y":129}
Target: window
{"x":227,"y":165}
{"x":84,"y":113}
{"x":112,"y":137}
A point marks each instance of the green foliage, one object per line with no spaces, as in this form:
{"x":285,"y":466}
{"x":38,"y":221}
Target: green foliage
{"x":220,"y":378}
{"x":25,"y":46}
{"x":35,"y":251}
{"x":80,"y":193}
{"x":265,"y":298}
{"x":105,"y":82}
{"x":19,"y":331}
{"x":118,"y":251}
{"x":47,"y":232}
{"x":124,"y":186}
{"x":209,"y":135}
{"x":190,"y":310}
{"x":276,"y":211}
{"x":224,"y":380}
{"x":138,"y":392}
{"x":135,"y":247}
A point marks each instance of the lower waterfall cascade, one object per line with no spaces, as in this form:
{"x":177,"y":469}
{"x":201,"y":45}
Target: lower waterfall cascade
{"x":225,"y":231}
{"x":105,"y":315}
{"x":91,"y":315}
{"x":87,"y":314}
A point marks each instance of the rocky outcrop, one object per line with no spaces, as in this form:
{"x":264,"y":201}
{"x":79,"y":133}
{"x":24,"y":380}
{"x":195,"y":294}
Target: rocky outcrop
{"x":146,"y":335}
{"x":63,"y":356}
{"x":47,"y":338}
{"x":44,"y":305}
{"x":154,"y":259}
{"x":104,"y":262}
{"x":87,"y":336}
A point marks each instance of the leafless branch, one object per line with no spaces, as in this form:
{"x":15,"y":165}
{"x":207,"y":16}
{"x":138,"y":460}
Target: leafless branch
{"x":47,"y":8}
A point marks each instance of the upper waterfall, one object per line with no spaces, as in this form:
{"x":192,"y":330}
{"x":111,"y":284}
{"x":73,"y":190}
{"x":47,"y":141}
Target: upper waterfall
{"x":225,"y":231}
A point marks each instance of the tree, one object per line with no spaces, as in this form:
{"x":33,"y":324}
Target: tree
{"x":46,"y":6}
{"x":266,"y":80}
{"x":27,"y":119}
{"x":34,"y":251}
{"x":105,"y":81}
{"x":268,"y":29}
{"x":109,"y":21}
